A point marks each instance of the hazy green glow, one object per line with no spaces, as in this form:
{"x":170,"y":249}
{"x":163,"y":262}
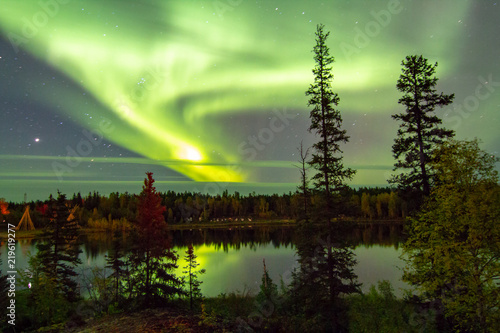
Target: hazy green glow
{"x":244,"y":264}
{"x":165,"y":73}
{"x":240,"y":269}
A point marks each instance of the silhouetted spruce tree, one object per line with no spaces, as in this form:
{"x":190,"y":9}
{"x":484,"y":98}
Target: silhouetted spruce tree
{"x":326,"y":262}
{"x":152,"y":260}
{"x":270,"y":303}
{"x":326,"y":122}
{"x":115,"y":261}
{"x":268,"y":289}
{"x":419,"y":133}
{"x":58,"y":255}
{"x":192,"y":281}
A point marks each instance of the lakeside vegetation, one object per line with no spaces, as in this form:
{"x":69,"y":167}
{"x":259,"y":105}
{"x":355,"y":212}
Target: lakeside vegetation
{"x":119,"y":210}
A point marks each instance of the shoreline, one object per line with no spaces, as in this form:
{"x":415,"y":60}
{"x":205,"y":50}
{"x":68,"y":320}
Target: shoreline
{"x":208,"y":225}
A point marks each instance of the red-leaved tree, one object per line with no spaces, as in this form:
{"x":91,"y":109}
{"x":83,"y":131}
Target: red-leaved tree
{"x":150,"y":220}
{"x":152,"y":259}
{"x":4,"y":207}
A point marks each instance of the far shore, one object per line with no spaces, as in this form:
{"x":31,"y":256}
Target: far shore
{"x":187,"y":226}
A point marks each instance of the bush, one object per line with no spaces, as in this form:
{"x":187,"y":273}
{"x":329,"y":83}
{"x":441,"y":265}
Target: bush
{"x":230,"y":306}
{"x":109,"y":224}
{"x":380,"y":311}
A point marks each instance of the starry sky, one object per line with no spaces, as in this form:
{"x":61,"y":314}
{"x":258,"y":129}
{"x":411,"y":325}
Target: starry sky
{"x":209,"y":95}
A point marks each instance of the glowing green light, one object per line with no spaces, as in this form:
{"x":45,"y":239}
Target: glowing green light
{"x":163,"y":71}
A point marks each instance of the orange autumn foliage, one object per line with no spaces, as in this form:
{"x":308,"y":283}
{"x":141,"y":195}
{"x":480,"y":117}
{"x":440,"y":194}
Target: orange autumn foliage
{"x":3,"y":207}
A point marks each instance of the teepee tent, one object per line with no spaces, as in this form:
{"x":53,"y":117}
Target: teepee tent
{"x":26,"y":223}
{"x":72,"y":211}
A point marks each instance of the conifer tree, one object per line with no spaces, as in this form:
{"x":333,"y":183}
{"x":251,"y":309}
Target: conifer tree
{"x":47,"y":304}
{"x":152,"y":259}
{"x":193,"y":284}
{"x":58,"y":256}
{"x":419,"y":133}
{"x":268,"y":289}
{"x":115,"y":261}
{"x":326,"y":262}
{"x":326,"y":122}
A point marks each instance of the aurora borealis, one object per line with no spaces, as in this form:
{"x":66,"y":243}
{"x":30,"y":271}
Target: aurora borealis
{"x":209,"y":95}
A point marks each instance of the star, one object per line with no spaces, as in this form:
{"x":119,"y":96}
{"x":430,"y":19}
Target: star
{"x":37,"y":139}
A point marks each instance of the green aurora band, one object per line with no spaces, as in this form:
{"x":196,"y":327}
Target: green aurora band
{"x":164,"y":73}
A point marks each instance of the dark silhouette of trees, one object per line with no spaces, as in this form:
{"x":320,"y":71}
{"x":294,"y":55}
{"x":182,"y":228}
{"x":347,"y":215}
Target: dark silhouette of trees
{"x":92,"y":201}
{"x":380,"y":310}
{"x":268,"y":289}
{"x":58,"y":256}
{"x":192,"y":282}
{"x":122,"y":213}
{"x":324,"y":277}
{"x":419,"y":132}
{"x":51,"y":271}
{"x":115,"y":261}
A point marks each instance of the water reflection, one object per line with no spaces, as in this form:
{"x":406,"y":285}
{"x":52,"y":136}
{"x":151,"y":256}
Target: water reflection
{"x":233,"y":257}
{"x":380,"y":234}
{"x":367,"y":235}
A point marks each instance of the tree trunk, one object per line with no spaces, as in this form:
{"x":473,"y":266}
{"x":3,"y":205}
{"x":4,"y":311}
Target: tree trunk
{"x":148,"y":274}
{"x":190,"y":286}
{"x":425,"y":177}
{"x":420,"y":142}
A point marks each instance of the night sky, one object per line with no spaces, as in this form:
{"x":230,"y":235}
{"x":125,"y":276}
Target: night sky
{"x":209,"y":95}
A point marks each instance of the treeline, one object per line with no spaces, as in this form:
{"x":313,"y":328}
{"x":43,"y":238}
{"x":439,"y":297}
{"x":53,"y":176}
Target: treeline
{"x":118,"y":209}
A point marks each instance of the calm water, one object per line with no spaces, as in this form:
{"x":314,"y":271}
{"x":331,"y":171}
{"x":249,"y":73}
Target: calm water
{"x":233,"y":258}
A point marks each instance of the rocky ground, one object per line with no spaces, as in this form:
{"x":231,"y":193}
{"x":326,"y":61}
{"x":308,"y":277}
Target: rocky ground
{"x":151,"y":320}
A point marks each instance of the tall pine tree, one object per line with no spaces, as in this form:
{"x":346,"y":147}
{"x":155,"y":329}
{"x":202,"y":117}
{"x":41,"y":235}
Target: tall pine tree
{"x":326,"y":262}
{"x":419,"y":132}
{"x":326,"y":122}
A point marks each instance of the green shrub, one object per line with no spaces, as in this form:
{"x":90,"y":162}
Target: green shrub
{"x":380,"y":311}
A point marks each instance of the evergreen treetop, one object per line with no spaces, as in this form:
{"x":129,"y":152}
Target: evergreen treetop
{"x":419,"y":132}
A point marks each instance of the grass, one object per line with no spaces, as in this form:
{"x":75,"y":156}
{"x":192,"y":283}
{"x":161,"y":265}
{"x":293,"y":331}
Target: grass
{"x":21,"y":234}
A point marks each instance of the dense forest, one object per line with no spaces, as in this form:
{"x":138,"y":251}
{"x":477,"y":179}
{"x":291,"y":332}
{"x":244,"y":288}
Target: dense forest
{"x":97,"y":211}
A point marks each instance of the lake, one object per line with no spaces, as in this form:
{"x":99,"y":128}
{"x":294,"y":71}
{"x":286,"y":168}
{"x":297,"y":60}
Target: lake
{"x":233,"y":257}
